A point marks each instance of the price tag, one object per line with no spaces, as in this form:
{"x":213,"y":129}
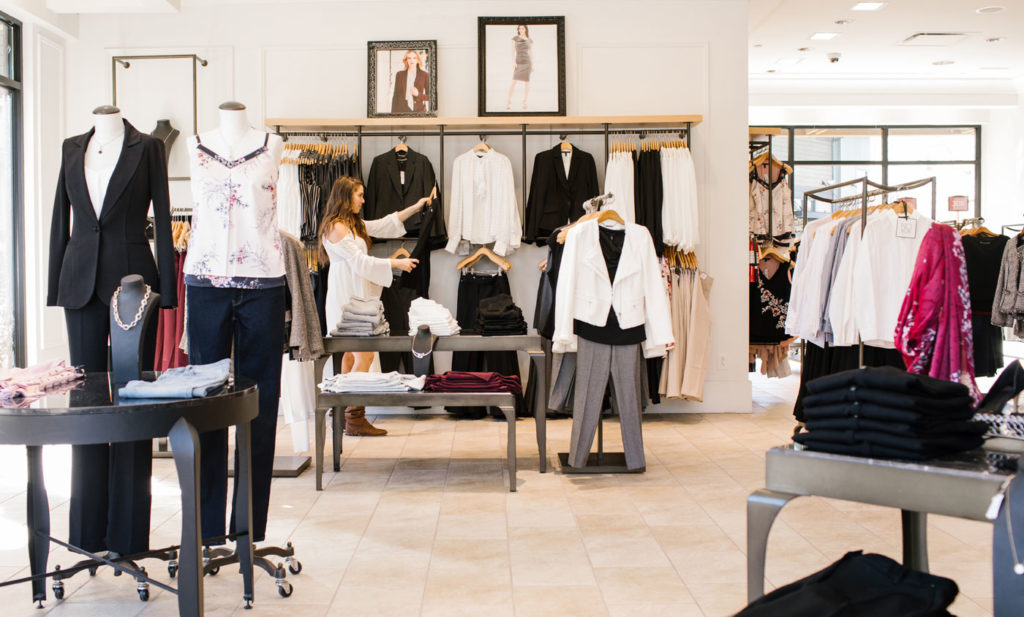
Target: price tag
{"x":906,"y":228}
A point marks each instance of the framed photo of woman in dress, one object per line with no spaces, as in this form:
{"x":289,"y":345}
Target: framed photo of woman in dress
{"x":402,"y":79}
{"x":521,"y":66}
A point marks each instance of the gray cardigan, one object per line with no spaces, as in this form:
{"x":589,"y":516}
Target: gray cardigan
{"x":305,"y":341}
{"x":1008,"y":306}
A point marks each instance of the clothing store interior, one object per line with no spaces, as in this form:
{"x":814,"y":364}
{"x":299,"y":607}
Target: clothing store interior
{"x":336,"y":308}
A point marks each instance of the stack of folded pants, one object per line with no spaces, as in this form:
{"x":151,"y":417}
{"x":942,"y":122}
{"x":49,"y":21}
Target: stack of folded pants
{"x":424,"y":312}
{"x":372,"y":382}
{"x":884,"y":412}
{"x":467,"y":381}
{"x":362,"y":317}
{"x":499,"y":315}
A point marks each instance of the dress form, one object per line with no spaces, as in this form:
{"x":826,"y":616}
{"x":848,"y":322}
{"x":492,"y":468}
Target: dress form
{"x":234,"y":138}
{"x":167,"y":134}
{"x":126,"y":345}
{"x":103,"y":152}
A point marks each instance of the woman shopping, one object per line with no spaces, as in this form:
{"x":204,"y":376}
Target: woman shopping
{"x":345,"y":243}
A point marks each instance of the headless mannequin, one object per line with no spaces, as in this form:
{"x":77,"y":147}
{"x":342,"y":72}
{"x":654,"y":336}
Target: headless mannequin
{"x":234,"y":138}
{"x":167,"y":134}
{"x":103,"y":152}
{"x":126,"y":345}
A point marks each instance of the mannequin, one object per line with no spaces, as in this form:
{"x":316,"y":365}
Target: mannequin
{"x":236,"y":282}
{"x":131,"y":314}
{"x":109,"y":177}
{"x":165,"y":133}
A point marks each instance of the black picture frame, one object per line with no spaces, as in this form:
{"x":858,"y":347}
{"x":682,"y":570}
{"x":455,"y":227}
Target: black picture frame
{"x":386,"y":59}
{"x":545,"y":51}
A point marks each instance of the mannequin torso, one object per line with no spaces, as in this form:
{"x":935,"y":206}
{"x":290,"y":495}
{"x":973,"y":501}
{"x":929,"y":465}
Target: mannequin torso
{"x":102,"y":154}
{"x":234,"y":138}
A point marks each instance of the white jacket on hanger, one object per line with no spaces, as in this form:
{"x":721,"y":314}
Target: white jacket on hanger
{"x":637,"y":295}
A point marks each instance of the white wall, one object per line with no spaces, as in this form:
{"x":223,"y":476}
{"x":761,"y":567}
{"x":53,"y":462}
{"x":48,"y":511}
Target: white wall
{"x":300,"y":59}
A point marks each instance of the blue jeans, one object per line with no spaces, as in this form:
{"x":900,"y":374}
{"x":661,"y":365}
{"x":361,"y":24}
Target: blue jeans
{"x":253,"y":321}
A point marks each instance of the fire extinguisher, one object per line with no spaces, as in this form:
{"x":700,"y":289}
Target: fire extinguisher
{"x":753,"y":260}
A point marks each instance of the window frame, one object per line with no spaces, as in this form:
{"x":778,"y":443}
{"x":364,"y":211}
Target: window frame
{"x":14,"y":85}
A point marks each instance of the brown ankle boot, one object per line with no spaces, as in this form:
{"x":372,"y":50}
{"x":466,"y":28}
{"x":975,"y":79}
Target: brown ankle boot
{"x":357,"y":425}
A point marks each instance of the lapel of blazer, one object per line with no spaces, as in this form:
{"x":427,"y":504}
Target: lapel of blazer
{"x":392,"y":161}
{"x":127,"y":163}
{"x":574,"y":166}
{"x":592,"y":255}
{"x":78,"y":188}
{"x":556,"y":161}
{"x":629,"y":261}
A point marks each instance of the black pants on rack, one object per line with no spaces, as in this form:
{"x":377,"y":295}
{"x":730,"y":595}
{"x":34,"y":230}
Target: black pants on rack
{"x":472,"y":289}
{"x":110,"y":483}
{"x":251,"y":320}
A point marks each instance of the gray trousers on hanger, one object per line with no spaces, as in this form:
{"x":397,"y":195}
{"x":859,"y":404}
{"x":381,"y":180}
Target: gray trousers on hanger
{"x":594,"y":364}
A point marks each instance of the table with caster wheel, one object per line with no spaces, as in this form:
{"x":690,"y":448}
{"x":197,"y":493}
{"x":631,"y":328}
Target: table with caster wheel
{"x":91,"y":412}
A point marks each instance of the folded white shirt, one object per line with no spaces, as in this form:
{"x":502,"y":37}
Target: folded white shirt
{"x":373,"y":382}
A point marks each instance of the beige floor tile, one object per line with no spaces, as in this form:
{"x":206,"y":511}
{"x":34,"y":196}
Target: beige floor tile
{"x":641,"y":585}
{"x":578,"y":601}
{"x":446,"y":597}
{"x":396,"y":599}
{"x":677,"y":609}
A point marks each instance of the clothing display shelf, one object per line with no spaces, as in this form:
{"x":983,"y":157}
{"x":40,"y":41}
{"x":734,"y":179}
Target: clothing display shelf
{"x":524,"y":126}
{"x":962,"y":486}
{"x":336,"y":346}
{"x":763,"y":143}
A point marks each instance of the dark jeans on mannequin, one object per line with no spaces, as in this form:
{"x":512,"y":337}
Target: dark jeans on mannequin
{"x":110,"y":483}
{"x":251,"y":320}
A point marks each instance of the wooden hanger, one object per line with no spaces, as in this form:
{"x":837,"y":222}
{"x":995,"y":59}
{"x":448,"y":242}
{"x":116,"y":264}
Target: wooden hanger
{"x":773,"y":253}
{"x":600,"y":215}
{"x":482,"y":146}
{"x":480,"y":253}
{"x":401,"y":147}
{"x":400,"y":253}
{"x":565,"y":146}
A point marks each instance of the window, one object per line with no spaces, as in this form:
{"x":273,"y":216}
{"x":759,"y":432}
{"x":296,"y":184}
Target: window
{"x":11,"y":294}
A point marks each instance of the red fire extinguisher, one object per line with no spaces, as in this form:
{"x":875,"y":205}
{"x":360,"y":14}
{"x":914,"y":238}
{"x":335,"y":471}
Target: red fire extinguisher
{"x":753,"y":260}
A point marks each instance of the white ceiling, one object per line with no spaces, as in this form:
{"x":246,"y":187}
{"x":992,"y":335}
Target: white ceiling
{"x":113,"y":6}
{"x":870,"y":46}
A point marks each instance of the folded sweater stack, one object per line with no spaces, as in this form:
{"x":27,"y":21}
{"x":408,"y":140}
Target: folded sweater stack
{"x":372,"y":382}
{"x":499,"y":315}
{"x":192,"y":381}
{"x":463,"y":381}
{"x":424,"y":312}
{"x":362,"y":317}
{"x":884,"y":412}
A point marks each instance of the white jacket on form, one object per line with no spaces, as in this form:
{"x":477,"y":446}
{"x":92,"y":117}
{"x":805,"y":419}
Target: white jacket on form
{"x":637,"y":295}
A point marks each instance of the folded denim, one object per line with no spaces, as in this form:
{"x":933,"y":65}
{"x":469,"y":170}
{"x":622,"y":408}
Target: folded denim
{"x":192,"y":381}
{"x":889,"y":379}
{"x":364,"y":306}
{"x":896,"y":400}
{"x":368,"y":330}
{"x":924,"y":428}
{"x":350,"y":317}
{"x":858,"y":409}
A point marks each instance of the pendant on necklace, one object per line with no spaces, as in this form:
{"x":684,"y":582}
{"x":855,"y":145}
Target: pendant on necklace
{"x":1018,"y":569}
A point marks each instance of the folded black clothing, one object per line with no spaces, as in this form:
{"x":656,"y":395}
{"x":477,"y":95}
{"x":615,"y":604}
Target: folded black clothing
{"x":508,"y":332}
{"x":890,"y":379}
{"x":922,"y":428}
{"x":859,"y":585}
{"x":864,"y":449}
{"x":1008,"y":385}
{"x":857,"y":409}
{"x":895,"y":400}
{"x":931,"y":444}
{"x":498,"y":306}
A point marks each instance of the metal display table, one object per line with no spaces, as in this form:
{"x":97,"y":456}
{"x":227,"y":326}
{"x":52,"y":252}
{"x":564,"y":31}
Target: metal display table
{"x":335,"y":346}
{"x":92,"y":413}
{"x":962,"y":486}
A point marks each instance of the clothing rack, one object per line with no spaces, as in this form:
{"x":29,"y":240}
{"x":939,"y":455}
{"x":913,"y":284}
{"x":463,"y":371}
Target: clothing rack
{"x":562,"y":127}
{"x":757,"y":145}
{"x":1015,"y":227}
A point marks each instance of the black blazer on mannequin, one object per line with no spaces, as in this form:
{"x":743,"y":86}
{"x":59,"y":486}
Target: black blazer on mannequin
{"x":90,"y":256}
{"x":385,"y":193}
{"x":555,"y":199}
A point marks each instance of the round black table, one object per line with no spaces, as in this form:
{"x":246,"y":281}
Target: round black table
{"x":91,"y":412}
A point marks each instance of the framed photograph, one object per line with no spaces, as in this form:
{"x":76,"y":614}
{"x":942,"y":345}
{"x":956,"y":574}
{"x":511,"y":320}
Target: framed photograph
{"x":521,"y":66}
{"x":402,"y":79}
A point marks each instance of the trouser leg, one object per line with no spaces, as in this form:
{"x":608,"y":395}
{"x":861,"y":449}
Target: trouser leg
{"x":625,"y":371}
{"x":593,"y":363}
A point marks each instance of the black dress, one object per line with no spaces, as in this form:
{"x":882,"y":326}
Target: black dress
{"x":983,"y":255}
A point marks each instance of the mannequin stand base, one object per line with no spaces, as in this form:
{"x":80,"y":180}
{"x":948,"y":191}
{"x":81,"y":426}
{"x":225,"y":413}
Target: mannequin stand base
{"x":284,"y":466}
{"x":216,"y":557}
{"x":605,"y":462}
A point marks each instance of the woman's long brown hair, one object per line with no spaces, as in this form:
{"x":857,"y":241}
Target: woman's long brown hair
{"x":339,"y":210}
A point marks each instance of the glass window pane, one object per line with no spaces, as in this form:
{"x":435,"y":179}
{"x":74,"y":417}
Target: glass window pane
{"x":6,"y":54}
{"x":810,"y":177}
{"x":933,"y":144}
{"x":848,"y":144}
{"x":949,"y":180}
{"x":6,"y":231}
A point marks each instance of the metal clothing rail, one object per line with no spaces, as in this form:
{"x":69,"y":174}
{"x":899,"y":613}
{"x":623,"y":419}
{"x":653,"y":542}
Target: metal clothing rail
{"x":524,"y":130}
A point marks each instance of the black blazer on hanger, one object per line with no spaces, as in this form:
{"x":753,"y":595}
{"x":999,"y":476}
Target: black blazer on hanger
{"x":385,"y":193}
{"x":555,"y":199}
{"x":90,"y":256}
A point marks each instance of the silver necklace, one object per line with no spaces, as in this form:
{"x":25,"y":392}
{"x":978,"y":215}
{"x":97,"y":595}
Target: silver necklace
{"x":138,"y":314}
{"x":100,"y":148}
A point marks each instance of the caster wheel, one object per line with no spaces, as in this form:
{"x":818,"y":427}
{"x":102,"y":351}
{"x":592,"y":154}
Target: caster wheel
{"x":284,"y":588}
{"x":172,"y":570}
{"x":144,"y":595}
{"x":214,"y":571}
{"x":294,"y":566}
{"x":92,"y":571}
{"x":58,"y":590}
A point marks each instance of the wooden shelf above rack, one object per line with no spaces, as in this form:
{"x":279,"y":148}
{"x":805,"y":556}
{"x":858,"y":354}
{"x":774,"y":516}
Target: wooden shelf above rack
{"x":764,"y":130}
{"x":505,"y":122}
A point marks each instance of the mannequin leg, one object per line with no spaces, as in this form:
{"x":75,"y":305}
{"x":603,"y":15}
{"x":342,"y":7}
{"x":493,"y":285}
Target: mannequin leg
{"x":593,"y":363}
{"x":209,"y":340}
{"x":625,"y":364}
{"x":88,"y":329}
{"x":259,"y":338}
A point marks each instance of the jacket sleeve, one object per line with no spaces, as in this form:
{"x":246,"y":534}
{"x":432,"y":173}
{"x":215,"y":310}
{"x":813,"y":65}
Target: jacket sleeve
{"x":533,"y":208}
{"x":1000,"y":316}
{"x":438,"y":230}
{"x":160,"y":195}
{"x":658,"y":323}
{"x":564,"y":340}
{"x":455,"y":207}
{"x":510,"y":229}
{"x":372,"y":191}
{"x":60,"y":233}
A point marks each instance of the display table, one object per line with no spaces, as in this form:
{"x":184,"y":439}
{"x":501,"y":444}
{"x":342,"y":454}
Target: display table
{"x":961,"y":486}
{"x":91,"y":413}
{"x":335,"y":346}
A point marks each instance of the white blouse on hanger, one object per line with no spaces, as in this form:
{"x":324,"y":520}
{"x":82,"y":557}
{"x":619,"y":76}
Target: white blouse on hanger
{"x":680,"y":220}
{"x":618,"y":180}
{"x":483,"y":207}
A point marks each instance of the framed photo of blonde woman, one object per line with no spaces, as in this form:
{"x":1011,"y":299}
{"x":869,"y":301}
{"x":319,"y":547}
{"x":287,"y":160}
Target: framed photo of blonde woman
{"x":521,"y":66}
{"x":402,"y":79}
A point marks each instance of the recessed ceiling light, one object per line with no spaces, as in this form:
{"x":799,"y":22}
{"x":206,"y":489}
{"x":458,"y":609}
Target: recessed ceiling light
{"x":843,"y":22}
{"x":989,"y":10}
{"x":770,"y":71}
{"x":803,"y":49}
{"x":868,"y":6}
{"x":994,"y":39}
{"x":824,"y":36}
{"x":758,"y":45}
{"x":942,"y":62}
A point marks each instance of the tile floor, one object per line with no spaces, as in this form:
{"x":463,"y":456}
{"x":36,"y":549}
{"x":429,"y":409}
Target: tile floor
{"x":420,"y":523}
